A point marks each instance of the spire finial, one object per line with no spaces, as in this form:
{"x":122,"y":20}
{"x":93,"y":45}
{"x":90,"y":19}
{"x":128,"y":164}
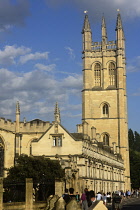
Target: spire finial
{"x":86,"y":26}
{"x":119,"y":21}
{"x":85,"y":11}
{"x":103,"y":21}
{"x":57,"y":113}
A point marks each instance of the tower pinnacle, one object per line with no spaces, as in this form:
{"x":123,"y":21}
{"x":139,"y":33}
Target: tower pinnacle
{"x":17,"y":117}
{"x":104,"y":32}
{"x":87,"y":34}
{"x":120,"y":33}
{"x":57,"y":113}
{"x":119,"y":21}
{"x":17,"y":108}
{"x":86,"y":26}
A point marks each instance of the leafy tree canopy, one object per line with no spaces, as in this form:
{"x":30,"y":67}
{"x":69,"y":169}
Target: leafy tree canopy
{"x":43,"y":171}
{"x":39,"y":168}
{"x":134,"y":144}
{"x":134,"y":140}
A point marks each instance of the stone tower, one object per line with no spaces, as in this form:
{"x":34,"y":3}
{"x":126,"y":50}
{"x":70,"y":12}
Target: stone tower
{"x":104,"y":99}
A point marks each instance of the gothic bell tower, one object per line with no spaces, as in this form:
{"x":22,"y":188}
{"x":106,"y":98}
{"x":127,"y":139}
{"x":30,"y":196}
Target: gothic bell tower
{"x":104,"y":99}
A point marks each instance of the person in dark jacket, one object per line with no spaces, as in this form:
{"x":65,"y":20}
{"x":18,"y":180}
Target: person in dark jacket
{"x":71,"y":193}
{"x":116,"y":201}
{"x":66,"y":196}
{"x":90,"y":199}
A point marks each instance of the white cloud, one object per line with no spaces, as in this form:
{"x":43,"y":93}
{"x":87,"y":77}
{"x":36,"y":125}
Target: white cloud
{"x":72,"y":115}
{"x":50,"y":67}
{"x":36,"y":56}
{"x":73,"y":81}
{"x":70,"y":52}
{"x":137,"y":93}
{"x":75,"y":106}
{"x":95,"y":8}
{"x":8,"y":55}
{"x":37,"y":92}
{"x":11,"y":54}
{"x":131,"y":69}
{"x":133,"y":65}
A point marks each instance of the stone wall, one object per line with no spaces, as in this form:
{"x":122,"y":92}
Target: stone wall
{"x":54,"y":202}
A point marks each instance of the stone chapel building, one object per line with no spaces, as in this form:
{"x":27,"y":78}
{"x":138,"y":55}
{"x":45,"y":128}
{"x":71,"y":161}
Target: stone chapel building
{"x":97,"y":156}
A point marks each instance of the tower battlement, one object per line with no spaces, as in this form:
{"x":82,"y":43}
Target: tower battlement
{"x":7,"y":124}
{"x":34,"y":126}
{"x":31,"y":126}
{"x":110,"y":45}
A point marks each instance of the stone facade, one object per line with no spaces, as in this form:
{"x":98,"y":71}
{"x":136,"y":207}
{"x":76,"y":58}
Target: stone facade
{"x":97,"y":156}
{"x":104,"y":90}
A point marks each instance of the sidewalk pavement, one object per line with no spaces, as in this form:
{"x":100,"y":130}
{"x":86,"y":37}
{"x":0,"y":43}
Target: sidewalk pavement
{"x":126,"y":202}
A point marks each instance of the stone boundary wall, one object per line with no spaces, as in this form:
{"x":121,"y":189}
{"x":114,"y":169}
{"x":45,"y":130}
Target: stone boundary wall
{"x":54,"y":202}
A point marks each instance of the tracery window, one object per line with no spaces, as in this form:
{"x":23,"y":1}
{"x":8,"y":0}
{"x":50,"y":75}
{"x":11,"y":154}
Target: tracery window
{"x":106,"y":139}
{"x":97,"y":74}
{"x":105,"y":110}
{"x":112,"y":74}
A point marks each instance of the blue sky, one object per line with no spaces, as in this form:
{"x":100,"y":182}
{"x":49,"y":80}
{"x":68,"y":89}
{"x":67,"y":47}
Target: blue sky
{"x":40,"y":55}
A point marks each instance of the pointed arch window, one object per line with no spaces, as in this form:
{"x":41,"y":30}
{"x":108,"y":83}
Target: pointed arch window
{"x":106,"y":139}
{"x":112,"y":74}
{"x":105,"y":110}
{"x":97,"y":74}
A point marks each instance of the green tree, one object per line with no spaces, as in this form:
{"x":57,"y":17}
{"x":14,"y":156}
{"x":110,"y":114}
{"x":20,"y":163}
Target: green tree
{"x":131,"y":138}
{"x":137,"y":141}
{"x":43,"y":171}
{"x":135,"y":169}
{"x":134,"y":144}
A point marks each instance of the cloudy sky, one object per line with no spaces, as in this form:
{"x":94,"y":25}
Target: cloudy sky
{"x":40,"y":55}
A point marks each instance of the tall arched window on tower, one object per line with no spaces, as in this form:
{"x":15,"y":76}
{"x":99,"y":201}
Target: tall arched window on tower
{"x":105,"y":110}
{"x":112,"y":74}
{"x":97,"y":74}
{"x":106,"y":139}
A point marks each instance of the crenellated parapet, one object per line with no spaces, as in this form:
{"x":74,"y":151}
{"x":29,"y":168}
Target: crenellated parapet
{"x":7,"y":124}
{"x":34,"y":126}
{"x":31,"y":126}
{"x":110,"y":45}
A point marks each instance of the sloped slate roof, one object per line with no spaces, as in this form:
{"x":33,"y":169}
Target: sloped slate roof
{"x":37,"y":120}
{"x":77,"y":136}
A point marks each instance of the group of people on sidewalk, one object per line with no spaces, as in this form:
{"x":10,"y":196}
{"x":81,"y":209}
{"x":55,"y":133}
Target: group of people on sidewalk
{"x":89,"y":197}
{"x":86,"y":199}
